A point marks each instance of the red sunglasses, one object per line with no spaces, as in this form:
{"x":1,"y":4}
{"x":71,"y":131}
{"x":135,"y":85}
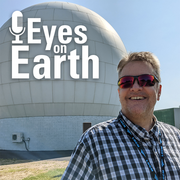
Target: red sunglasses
{"x":143,"y":80}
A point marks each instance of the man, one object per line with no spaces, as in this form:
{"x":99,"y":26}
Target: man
{"x":135,"y":145}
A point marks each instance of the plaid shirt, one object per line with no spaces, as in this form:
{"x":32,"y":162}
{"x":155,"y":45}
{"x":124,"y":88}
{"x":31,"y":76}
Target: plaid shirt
{"x":106,"y":152}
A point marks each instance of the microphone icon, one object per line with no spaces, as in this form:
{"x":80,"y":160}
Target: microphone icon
{"x":17,"y":26}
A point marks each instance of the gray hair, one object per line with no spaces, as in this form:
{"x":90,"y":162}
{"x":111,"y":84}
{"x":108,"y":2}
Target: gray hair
{"x":141,"y":56}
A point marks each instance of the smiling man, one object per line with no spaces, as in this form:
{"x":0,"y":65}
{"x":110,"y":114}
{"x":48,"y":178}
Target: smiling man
{"x":138,"y":96}
{"x":135,"y":145}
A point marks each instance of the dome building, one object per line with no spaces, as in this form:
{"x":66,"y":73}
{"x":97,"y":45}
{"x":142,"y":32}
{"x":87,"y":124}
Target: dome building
{"x":51,"y":113}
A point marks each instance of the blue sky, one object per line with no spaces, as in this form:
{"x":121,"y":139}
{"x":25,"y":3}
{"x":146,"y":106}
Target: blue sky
{"x":149,"y":25}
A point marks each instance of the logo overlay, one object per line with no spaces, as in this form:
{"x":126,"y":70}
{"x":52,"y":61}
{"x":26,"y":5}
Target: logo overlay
{"x":65,"y":36}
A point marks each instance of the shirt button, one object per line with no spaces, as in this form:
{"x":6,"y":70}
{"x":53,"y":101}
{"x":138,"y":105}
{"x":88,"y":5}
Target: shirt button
{"x":155,"y":152}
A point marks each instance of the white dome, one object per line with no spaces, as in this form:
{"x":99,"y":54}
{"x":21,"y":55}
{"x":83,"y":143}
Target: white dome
{"x":66,"y":96}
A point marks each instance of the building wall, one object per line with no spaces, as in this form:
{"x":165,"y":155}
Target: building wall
{"x":177,"y":117}
{"x":45,"y":133}
{"x":165,"y":115}
{"x":169,"y":116}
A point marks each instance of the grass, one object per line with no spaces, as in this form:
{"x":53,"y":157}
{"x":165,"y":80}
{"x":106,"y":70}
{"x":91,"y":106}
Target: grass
{"x":31,"y":170}
{"x":54,"y":174}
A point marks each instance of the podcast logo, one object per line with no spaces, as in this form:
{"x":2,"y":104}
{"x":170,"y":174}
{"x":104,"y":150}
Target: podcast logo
{"x":64,"y":37}
{"x":17,"y":26}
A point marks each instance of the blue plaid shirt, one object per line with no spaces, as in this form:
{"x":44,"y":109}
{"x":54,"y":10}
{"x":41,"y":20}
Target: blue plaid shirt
{"x":106,"y":152}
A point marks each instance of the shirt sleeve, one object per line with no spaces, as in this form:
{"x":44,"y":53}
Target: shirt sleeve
{"x":80,"y":166}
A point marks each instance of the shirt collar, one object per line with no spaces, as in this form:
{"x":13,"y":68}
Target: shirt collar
{"x":140,"y":132}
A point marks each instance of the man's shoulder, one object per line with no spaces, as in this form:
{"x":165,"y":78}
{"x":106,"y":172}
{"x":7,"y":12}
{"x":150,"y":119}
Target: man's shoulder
{"x":168,"y":128}
{"x":102,"y":126}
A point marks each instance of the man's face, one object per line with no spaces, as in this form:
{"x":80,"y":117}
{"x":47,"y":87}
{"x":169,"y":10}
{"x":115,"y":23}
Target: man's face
{"x":132,"y":107}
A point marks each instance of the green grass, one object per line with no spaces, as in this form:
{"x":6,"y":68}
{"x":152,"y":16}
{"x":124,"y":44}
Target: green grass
{"x":54,"y":174}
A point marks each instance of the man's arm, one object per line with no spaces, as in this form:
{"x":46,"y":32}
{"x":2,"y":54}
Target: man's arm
{"x":80,"y":166}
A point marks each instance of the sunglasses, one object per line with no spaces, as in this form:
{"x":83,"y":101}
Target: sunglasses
{"x":143,"y":80}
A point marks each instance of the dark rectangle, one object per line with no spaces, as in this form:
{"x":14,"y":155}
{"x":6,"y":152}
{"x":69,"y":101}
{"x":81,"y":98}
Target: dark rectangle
{"x":86,"y":126}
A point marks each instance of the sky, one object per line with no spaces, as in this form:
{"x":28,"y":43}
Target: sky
{"x":149,"y":25}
